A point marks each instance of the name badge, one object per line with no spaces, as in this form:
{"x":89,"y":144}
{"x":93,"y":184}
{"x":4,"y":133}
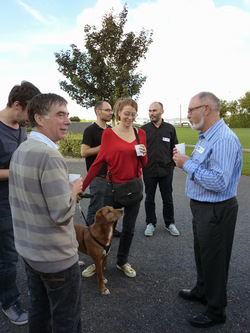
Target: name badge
{"x":166,"y":139}
{"x":200,"y":149}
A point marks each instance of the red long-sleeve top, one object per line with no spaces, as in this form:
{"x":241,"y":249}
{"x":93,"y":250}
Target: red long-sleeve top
{"x":120,"y":156}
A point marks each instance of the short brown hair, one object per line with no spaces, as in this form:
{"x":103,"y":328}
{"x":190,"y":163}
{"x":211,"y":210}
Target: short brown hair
{"x":22,"y":93}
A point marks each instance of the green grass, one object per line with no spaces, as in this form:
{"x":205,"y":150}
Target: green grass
{"x":190,"y":137}
{"x":244,"y":136}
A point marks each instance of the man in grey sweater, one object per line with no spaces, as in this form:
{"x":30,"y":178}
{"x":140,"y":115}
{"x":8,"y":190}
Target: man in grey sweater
{"x":43,"y":204}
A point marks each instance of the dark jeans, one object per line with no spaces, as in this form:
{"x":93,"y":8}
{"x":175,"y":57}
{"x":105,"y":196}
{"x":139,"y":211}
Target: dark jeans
{"x":166,"y":189}
{"x":128,"y":225}
{"x":97,"y":189}
{"x":55,"y":301}
{"x":8,"y":260}
{"x":213,"y":228}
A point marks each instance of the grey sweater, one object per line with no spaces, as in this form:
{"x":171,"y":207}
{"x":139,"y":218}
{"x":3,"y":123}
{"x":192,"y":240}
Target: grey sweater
{"x":42,"y":207}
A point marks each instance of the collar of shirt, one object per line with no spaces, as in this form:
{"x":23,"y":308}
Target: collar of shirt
{"x":212,"y":130}
{"x":43,"y":138}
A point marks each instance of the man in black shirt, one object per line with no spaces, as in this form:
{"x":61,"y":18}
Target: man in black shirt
{"x":90,"y":147}
{"x":161,"y":139}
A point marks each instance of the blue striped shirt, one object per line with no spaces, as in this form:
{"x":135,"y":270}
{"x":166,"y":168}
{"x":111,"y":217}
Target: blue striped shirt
{"x":214,"y":169}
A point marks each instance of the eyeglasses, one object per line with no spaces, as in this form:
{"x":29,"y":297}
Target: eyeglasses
{"x":107,"y":110}
{"x":190,"y":110}
{"x":128,"y":114}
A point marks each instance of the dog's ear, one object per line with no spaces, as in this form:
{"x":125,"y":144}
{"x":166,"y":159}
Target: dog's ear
{"x":102,"y":212}
{"x":99,"y":212}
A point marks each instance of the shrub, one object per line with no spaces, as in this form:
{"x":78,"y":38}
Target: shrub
{"x":71,"y":145}
{"x":75,"y":118}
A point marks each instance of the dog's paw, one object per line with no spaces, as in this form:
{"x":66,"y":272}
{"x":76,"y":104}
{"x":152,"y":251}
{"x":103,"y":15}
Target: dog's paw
{"x":105,"y":280}
{"x":106,"y":292}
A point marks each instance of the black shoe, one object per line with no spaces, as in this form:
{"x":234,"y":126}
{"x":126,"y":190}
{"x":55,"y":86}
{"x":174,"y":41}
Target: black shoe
{"x":203,"y":321}
{"x":187,"y":294}
{"x":116,"y":233}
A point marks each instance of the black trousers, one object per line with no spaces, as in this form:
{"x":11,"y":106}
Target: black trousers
{"x":213,"y":229}
{"x":128,"y":225}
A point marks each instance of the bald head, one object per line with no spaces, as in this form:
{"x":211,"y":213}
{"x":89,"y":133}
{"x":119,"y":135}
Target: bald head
{"x":155,"y":113}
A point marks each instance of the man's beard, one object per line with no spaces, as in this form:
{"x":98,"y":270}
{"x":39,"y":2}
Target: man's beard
{"x":198,"y":126}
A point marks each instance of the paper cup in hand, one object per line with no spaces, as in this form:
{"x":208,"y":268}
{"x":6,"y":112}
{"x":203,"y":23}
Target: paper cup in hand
{"x":181,"y":148}
{"x":137,"y":149}
{"x":73,"y":176}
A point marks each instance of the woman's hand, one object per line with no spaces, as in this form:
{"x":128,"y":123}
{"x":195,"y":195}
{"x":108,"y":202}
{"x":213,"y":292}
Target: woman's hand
{"x":143,"y":149}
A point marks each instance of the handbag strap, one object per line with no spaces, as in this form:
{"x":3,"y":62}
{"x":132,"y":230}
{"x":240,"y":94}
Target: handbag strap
{"x":138,"y":141}
{"x":136,"y":135}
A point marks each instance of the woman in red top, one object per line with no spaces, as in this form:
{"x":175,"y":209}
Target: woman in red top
{"x":118,"y":151}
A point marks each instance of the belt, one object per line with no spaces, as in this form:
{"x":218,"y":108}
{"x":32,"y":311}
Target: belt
{"x":214,"y":203}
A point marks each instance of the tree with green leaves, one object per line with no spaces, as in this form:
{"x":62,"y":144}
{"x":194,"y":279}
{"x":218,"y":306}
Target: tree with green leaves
{"x":236,"y":113}
{"x":107,"y":70}
{"x":244,"y":103}
{"x":244,"y":110}
{"x":228,"y":108}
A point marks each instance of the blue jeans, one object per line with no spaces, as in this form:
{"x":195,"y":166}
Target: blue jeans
{"x":8,"y":260}
{"x":128,"y":225}
{"x":97,"y":189}
{"x":166,"y":189}
{"x":55,"y":301}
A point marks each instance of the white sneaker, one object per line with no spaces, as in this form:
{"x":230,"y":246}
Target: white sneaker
{"x":16,"y":314}
{"x":81,"y":263}
{"x":89,"y":271}
{"x":149,"y":230}
{"x":127,"y":270}
{"x":173,"y":230}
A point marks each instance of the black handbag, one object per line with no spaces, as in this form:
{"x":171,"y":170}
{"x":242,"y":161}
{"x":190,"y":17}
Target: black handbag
{"x":126,"y":194}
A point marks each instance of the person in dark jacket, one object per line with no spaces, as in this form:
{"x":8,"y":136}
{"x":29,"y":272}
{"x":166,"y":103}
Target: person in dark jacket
{"x":13,"y":121}
{"x":161,"y":139}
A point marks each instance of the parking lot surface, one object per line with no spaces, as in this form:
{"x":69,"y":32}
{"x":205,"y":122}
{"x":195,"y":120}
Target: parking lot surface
{"x":150,"y":303}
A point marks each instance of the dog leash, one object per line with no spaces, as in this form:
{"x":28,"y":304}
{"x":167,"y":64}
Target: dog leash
{"x":105,"y":247}
{"x":80,"y":208}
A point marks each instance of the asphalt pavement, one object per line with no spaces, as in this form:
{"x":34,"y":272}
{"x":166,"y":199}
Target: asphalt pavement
{"x":149,"y":303}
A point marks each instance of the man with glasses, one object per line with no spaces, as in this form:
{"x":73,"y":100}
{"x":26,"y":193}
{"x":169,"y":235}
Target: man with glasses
{"x":213,"y":173}
{"x":90,"y":147}
{"x":161,"y":139}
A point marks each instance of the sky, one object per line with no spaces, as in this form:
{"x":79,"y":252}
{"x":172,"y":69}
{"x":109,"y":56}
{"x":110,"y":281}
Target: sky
{"x":198,"y":45}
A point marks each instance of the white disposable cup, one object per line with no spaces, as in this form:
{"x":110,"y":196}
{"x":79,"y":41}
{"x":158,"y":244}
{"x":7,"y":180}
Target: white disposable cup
{"x":73,"y":176}
{"x":137,"y":149}
{"x":181,"y":148}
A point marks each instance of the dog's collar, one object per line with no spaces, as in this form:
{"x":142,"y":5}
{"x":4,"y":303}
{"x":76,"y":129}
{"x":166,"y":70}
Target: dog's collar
{"x":105,"y":247}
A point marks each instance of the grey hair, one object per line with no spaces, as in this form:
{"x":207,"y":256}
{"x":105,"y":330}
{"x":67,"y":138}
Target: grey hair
{"x":41,"y":104}
{"x":213,"y":100}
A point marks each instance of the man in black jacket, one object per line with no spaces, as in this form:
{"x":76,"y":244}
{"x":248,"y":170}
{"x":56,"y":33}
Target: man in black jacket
{"x":161,"y":139}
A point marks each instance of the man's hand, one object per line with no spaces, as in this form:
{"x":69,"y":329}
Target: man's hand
{"x":76,"y":188}
{"x":179,"y":159}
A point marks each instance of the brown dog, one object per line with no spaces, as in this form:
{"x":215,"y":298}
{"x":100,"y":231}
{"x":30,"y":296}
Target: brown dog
{"x":95,"y":240}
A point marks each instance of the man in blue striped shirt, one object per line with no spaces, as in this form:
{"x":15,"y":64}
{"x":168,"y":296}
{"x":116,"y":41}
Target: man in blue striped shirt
{"x":213,"y":173}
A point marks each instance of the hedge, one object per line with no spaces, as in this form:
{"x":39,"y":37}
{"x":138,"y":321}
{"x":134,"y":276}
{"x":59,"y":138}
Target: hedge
{"x":71,"y":145}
